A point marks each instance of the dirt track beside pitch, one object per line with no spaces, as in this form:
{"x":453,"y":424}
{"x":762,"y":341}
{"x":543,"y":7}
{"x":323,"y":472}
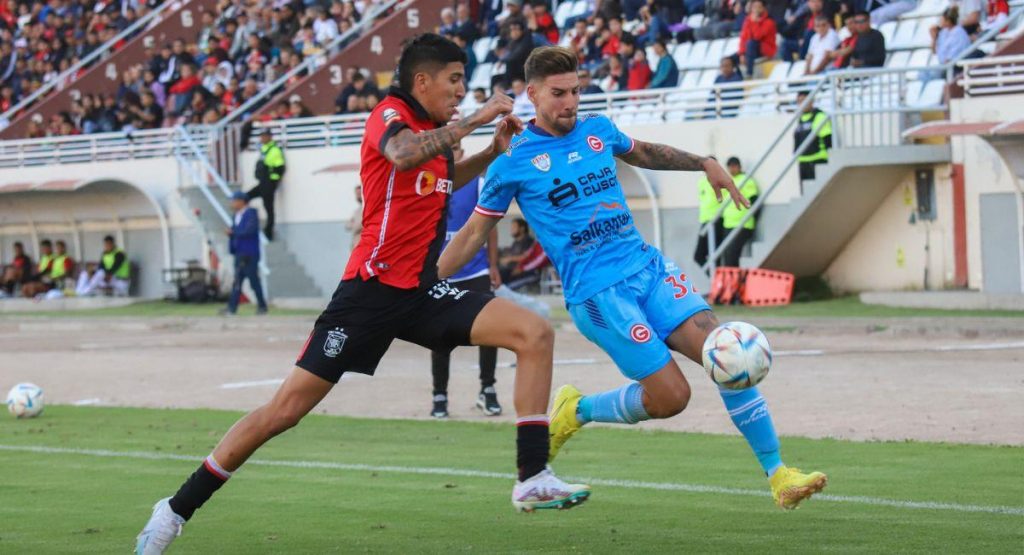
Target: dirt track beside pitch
{"x":873,"y":382}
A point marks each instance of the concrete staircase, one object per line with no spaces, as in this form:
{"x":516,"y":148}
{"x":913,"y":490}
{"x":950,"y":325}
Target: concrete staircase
{"x":287,"y":278}
{"x":804,"y":235}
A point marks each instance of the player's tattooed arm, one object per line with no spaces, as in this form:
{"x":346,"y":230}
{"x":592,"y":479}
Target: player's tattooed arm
{"x":466,"y":243}
{"x":407,"y":150}
{"x":655,"y":156}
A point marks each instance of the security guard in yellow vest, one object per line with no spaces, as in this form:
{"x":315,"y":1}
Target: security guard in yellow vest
{"x":816,"y":152}
{"x":708,"y":211}
{"x":269,"y":172}
{"x":732,"y":216}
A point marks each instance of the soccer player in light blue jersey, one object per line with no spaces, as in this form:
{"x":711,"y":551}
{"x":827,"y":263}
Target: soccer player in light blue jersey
{"x":621,"y":292}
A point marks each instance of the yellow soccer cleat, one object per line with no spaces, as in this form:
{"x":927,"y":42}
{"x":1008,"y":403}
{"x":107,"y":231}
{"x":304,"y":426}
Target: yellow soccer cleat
{"x":562,"y":422}
{"x":790,"y":486}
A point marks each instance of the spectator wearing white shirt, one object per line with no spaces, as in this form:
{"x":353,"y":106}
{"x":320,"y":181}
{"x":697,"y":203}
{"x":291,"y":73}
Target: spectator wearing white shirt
{"x":521,"y":106}
{"x":951,"y":39}
{"x":824,"y":41}
{"x":325,"y":29}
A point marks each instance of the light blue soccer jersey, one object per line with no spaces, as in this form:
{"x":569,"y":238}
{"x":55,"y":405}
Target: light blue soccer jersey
{"x":568,"y":190}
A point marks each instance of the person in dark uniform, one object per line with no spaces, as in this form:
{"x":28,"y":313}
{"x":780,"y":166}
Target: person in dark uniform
{"x":269,"y":172}
{"x":480,"y":274}
{"x":390,"y":289}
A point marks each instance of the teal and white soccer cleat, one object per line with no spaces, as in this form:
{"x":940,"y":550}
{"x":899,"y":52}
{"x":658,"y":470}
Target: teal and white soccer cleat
{"x":547,"y":491}
{"x":163,"y":526}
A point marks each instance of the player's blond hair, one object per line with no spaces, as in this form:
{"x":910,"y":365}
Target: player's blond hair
{"x":549,"y":60}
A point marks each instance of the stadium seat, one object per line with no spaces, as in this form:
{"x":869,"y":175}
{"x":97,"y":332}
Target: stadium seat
{"x":922,"y":57}
{"x":626,"y":116}
{"x":695,"y":20}
{"x":681,"y":53}
{"x":1013,"y":32}
{"x":913,"y":93}
{"x":481,"y":48}
{"x":888,"y":29}
{"x":732,"y":46}
{"x":562,"y":13}
{"x":481,"y":77}
{"x":579,"y":8}
{"x":988,"y":47}
{"x":779,"y":71}
{"x":922,"y":34}
{"x":903,"y":38}
{"x":648,"y":114}
{"x":898,"y":60}
{"x":797,"y":70}
{"x":695,"y":59}
{"x":927,"y":8}
{"x":707,"y":78}
{"x":652,"y":58}
{"x":716,"y":50}
{"x":931,"y":94}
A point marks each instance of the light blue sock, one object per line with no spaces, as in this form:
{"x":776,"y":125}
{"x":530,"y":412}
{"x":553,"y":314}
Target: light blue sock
{"x":749,"y":412}
{"x":624,"y":405}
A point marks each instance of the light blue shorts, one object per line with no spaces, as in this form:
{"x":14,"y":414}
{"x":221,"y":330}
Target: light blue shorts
{"x":632,"y":319}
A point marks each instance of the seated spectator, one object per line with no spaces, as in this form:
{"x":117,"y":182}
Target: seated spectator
{"x":970,"y":15}
{"x":824,"y":42}
{"x":520,"y":44}
{"x":325,"y":28}
{"x":180,"y":94}
{"x":869,"y":50}
{"x":655,"y":27}
{"x":611,"y":38}
{"x":51,"y":275}
{"x":615,"y":78}
{"x":666,"y":75}
{"x":639,"y":71}
{"x":542,"y":23}
{"x":798,"y":29}
{"x":471,"y":60}
{"x":111,"y":276}
{"x":727,"y":74}
{"x":296,"y":109}
{"x":890,"y":10}
{"x":465,"y":27}
{"x":840,"y":58}
{"x":757,"y":38}
{"x":997,"y":13}
{"x":527,"y":271}
{"x":509,"y":257}
{"x":521,"y":105}
{"x":721,"y":19}
{"x":949,"y":39}
{"x":358,"y":85}
{"x":586,"y":85}
{"x":17,"y":271}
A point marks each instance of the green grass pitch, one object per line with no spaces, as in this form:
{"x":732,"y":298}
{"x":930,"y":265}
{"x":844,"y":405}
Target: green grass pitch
{"x":83,"y":480}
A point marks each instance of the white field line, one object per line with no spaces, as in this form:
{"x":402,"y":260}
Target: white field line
{"x":87,"y":402}
{"x":254,"y":383}
{"x":469,"y":473}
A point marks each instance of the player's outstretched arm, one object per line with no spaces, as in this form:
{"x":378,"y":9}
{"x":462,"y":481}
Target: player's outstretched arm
{"x":656,"y":156}
{"x":407,"y":150}
{"x":466,"y":243}
{"x":476,"y":164}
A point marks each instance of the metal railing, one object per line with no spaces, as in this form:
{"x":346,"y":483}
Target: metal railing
{"x":67,"y":76}
{"x":99,"y":147}
{"x":987,"y":76}
{"x":193,"y":159}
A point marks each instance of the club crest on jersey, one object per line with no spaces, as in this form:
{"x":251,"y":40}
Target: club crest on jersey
{"x":335,"y":342}
{"x":390,"y":115}
{"x":542,"y":162}
{"x":427,"y":182}
{"x":595,"y":143}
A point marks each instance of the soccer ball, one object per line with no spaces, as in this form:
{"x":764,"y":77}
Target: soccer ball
{"x":737,"y":355}
{"x":25,"y":400}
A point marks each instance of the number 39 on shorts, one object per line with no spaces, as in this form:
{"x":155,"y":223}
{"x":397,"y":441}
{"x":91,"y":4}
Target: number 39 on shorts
{"x":679,"y":284}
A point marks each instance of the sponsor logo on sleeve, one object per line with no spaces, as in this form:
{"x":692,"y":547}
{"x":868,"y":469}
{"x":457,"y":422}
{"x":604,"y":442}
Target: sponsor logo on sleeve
{"x":390,"y":116}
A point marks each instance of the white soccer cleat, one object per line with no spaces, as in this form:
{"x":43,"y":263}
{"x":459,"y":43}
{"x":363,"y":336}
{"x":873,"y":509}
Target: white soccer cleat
{"x":547,"y":491}
{"x":163,"y":526}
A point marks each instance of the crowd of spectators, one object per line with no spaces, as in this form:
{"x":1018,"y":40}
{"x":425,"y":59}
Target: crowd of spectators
{"x":239,"y":47}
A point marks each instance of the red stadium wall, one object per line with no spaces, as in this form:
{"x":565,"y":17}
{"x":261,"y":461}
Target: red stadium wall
{"x":106,"y":75}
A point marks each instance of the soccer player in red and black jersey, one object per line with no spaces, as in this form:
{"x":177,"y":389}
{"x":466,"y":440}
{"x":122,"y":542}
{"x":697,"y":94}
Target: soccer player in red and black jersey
{"x":390,"y":289}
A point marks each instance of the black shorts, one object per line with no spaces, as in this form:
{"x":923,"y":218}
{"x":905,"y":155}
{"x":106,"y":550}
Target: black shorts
{"x":364,"y":317}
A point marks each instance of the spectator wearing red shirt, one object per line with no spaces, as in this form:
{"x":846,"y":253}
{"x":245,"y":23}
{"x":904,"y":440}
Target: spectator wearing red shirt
{"x":757,"y":38}
{"x":639,"y":71}
{"x":19,"y":269}
{"x":543,"y":23}
{"x":842,"y":55}
{"x":612,"y":38}
{"x":181,"y":92}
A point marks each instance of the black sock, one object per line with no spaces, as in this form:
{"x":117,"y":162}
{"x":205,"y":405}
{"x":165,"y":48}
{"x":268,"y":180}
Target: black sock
{"x":531,"y":445}
{"x":199,"y":487}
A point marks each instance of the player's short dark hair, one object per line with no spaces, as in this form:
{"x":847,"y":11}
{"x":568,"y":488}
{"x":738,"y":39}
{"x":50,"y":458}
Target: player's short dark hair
{"x":60,"y":243}
{"x":426,"y":53}
{"x":733,"y":161}
{"x":46,"y":243}
{"x":550,"y":60}
{"x":108,"y":239}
